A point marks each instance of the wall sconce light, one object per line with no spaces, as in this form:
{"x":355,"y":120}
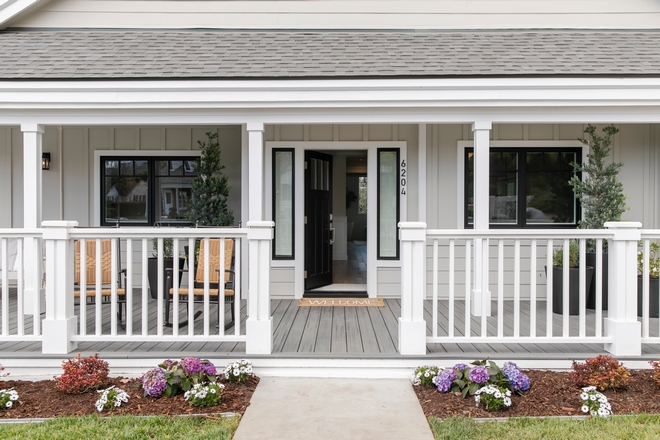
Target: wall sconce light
{"x":45,"y":161}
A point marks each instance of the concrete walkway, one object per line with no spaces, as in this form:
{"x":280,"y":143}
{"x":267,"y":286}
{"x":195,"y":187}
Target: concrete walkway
{"x":310,"y":408}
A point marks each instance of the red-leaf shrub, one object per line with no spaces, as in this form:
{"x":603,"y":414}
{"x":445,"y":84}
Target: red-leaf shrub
{"x":82,"y":375}
{"x":602,"y":372}
{"x":656,"y":371}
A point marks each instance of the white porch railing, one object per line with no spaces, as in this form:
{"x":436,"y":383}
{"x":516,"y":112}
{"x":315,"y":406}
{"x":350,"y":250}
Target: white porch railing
{"x":650,"y":288}
{"x":70,"y":319}
{"x":16,"y":325}
{"x":518,"y":284}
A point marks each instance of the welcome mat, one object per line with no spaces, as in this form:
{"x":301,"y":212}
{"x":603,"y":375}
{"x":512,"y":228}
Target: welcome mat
{"x":341,"y":302}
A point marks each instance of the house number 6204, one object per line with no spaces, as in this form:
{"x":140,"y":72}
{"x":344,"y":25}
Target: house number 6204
{"x":403,"y":176}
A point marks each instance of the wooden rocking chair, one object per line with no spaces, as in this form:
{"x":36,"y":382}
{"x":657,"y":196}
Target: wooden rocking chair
{"x":106,"y":276}
{"x":198,"y":283}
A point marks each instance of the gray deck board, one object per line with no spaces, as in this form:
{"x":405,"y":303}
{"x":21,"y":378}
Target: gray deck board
{"x":311,"y":330}
{"x":383,"y":336}
{"x":367,"y":333}
{"x":338,"y":330}
{"x":353,"y":337}
{"x":324,"y":335}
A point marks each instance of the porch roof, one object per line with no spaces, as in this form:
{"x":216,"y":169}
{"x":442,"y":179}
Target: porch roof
{"x":168,"y":54}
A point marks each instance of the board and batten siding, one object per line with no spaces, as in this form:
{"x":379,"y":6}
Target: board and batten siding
{"x":340,"y":14}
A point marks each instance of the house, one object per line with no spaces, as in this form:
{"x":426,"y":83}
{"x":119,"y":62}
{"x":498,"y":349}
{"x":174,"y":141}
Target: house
{"x":461,"y":119}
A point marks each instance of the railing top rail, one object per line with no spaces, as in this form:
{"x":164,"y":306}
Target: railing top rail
{"x":650,"y":233}
{"x":520,"y":233}
{"x":20,"y":232}
{"x":146,"y":232}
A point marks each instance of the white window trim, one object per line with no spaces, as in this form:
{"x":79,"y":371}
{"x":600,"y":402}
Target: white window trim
{"x":460,"y":159}
{"x":127,"y":153}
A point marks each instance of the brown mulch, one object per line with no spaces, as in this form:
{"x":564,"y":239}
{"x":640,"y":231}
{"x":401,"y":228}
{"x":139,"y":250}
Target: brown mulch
{"x":551,"y":394}
{"x":42,"y":400}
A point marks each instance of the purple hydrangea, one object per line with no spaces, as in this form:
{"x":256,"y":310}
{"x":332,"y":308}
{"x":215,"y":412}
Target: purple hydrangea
{"x":460,"y":367}
{"x":209,"y":369}
{"x":167,"y":363}
{"x":191,"y":365}
{"x":153,"y":382}
{"x":479,"y":374}
{"x":509,"y":368}
{"x":444,"y":380}
{"x":519,"y":381}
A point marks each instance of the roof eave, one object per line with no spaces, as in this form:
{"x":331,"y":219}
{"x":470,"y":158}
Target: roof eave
{"x":14,"y":10}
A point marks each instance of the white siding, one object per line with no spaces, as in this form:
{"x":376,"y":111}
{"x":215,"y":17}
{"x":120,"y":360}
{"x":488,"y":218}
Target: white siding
{"x":342,"y":14}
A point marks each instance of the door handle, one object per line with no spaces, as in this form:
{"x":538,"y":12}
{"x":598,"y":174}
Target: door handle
{"x":332,"y":240}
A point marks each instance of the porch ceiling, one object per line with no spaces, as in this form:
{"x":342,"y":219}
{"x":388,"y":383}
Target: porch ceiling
{"x":60,"y":55}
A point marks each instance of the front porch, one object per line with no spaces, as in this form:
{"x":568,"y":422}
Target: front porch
{"x":340,"y":333}
{"x":441,"y":313}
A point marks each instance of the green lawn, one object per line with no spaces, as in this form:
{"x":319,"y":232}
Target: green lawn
{"x":617,"y":427}
{"x":124,"y":427}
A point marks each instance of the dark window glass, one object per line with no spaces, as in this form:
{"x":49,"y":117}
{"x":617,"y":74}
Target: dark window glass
{"x":527,"y":187}
{"x":146,"y":191}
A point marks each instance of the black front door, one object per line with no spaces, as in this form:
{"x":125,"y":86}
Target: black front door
{"x":318,"y":220}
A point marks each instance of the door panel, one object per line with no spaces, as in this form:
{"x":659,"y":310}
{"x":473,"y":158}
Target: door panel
{"x":318,"y":229}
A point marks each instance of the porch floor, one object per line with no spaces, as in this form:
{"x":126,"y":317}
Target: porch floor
{"x":338,"y":332}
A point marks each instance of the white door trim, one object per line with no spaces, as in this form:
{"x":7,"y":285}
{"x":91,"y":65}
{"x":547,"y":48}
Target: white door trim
{"x":299,"y":248}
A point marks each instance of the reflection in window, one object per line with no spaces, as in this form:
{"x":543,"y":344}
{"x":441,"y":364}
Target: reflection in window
{"x":526,"y":187}
{"x":362,"y":196}
{"x":146,"y":191}
{"x":388,"y":203}
{"x":283,"y":206}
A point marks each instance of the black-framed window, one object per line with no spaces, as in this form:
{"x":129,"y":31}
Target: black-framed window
{"x":528,"y":187}
{"x":146,"y":191}
{"x":283,"y":203}
{"x":387,"y":247}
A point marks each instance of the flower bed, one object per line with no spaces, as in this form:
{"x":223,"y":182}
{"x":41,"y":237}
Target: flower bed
{"x":551,"y":394}
{"x":123,"y":396}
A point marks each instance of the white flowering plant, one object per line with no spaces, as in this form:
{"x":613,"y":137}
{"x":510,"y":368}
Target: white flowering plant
{"x":595,"y":403}
{"x":493,"y":397}
{"x":238,"y":371}
{"x":111,"y":398}
{"x":425,"y":375}
{"x":204,"y":394}
{"x":7,"y":398}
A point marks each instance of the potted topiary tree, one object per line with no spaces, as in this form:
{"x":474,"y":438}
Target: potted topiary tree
{"x":210,"y":189}
{"x":601,"y":194}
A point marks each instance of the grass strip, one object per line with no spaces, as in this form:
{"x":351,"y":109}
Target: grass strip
{"x":646,"y":426}
{"x":124,"y":427}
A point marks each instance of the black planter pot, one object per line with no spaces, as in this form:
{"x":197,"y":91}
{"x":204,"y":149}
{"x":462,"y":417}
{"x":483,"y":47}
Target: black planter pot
{"x":654,"y":312}
{"x":591,"y":296}
{"x":573,"y":289}
{"x":152,"y":273}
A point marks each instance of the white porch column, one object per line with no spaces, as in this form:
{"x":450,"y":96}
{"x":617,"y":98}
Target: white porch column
{"x":412,"y":327}
{"x":259,"y":327}
{"x":256,"y":170}
{"x":621,"y":324}
{"x":60,"y":323}
{"x":32,"y":151}
{"x":480,"y":301}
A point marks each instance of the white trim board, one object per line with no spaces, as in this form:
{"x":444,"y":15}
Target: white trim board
{"x":190,"y":102}
{"x":299,"y":147}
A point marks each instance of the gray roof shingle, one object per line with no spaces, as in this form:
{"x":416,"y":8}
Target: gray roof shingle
{"x":206,"y":54}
